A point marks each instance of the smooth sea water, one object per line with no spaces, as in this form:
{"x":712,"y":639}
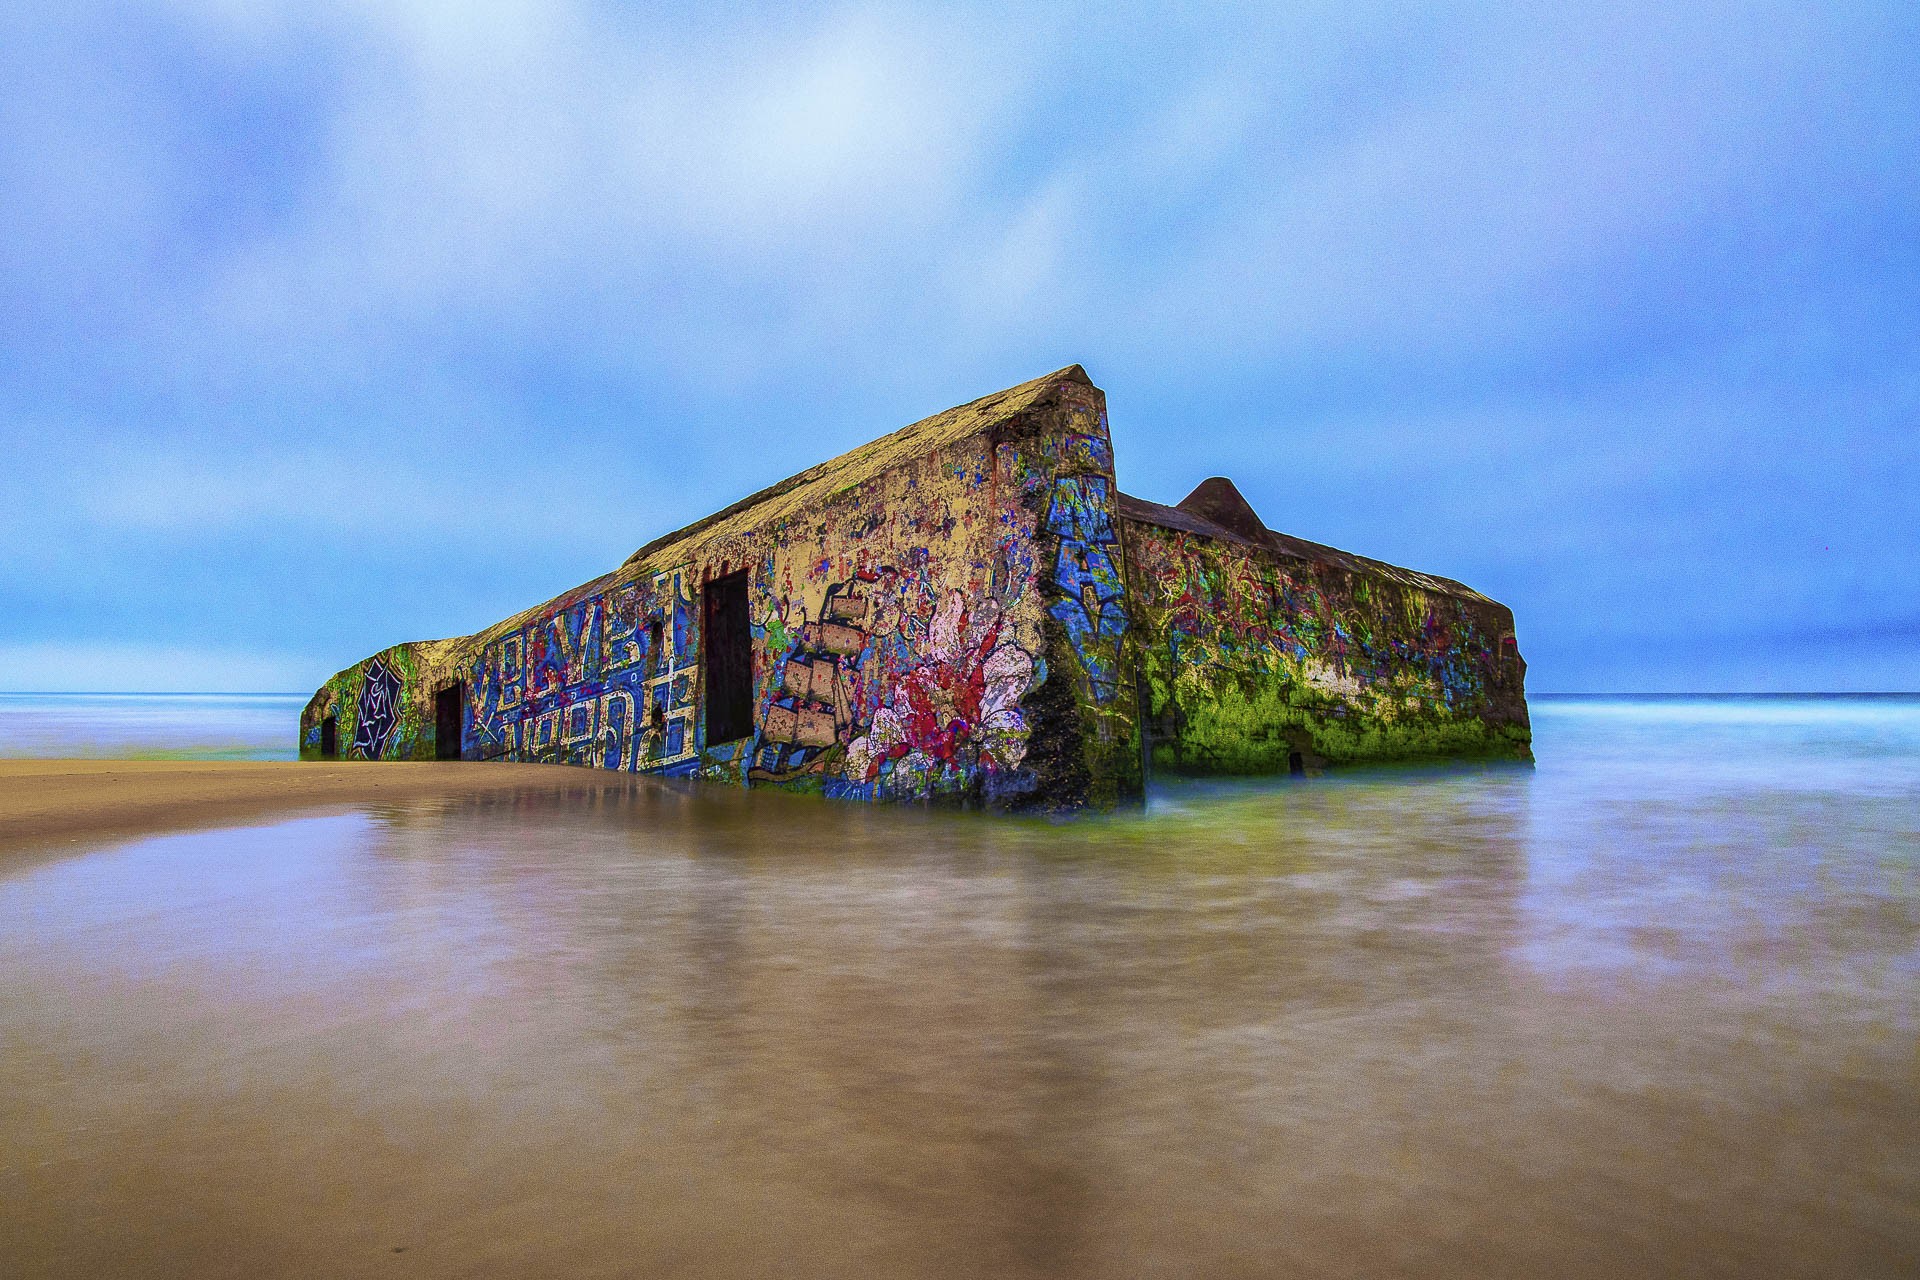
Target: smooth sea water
{"x":152,"y":726}
{"x":1649,"y":1008}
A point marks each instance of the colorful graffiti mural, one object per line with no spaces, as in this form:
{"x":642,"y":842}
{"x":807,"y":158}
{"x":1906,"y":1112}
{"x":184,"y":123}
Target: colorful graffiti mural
{"x":821,"y":663}
{"x":376,"y":707}
{"x":892,"y":686}
{"x":952,"y":705}
{"x":1087,"y":577}
{"x":379,"y":710}
{"x":607,"y":679}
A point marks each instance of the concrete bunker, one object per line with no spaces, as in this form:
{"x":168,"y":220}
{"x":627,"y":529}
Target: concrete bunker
{"x":968,"y":608}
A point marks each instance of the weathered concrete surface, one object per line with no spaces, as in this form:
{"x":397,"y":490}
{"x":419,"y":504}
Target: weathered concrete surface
{"x":954,"y":611}
{"x":1265,"y":653}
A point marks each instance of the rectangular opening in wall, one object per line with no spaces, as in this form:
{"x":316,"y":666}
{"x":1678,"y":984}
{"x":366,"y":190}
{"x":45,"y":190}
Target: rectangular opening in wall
{"x":446,"y":720}
{"x":330,"y":738}
{"x":728,"y":642}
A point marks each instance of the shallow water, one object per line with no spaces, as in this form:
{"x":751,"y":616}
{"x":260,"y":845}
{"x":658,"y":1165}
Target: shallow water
{"x":154,"y":726}
{"x":1649,"y":1008}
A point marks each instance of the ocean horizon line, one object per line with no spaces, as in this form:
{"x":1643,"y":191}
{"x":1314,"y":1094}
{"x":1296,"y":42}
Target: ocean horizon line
{"x":153,"y":693}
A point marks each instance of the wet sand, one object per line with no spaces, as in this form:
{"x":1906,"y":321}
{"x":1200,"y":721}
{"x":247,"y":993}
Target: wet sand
{"x":58,"y":803}
{"x":1652,"y":1009}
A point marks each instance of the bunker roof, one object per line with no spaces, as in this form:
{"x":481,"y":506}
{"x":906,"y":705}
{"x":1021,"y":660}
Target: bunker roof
{"x":1215,"y":509}
{"x":806,"y":491}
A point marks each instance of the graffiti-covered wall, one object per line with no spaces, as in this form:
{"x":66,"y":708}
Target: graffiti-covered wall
{"x":377,"y":707}
{"x":967,"y":608}
{"x":1057,"y":496}
{"x":604,"y":676}
{"x":907,"y":605}
{"x":1259,"y":661}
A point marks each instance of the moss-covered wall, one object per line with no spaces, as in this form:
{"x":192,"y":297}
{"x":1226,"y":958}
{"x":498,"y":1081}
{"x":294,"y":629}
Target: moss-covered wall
{"x":1256,"y":661}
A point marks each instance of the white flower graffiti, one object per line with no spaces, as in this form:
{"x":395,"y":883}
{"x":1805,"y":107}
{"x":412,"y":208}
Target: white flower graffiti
{"x":965,"y":697}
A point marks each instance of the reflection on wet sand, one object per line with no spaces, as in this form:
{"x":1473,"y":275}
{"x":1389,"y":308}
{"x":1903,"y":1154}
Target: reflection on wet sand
{"x":1462,"y":1022}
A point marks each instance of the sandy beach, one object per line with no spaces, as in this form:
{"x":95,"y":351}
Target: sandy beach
{"x":49,"y":803}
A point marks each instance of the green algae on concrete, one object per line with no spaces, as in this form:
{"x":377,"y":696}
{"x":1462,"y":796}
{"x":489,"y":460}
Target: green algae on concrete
{"x":1262,"y":653}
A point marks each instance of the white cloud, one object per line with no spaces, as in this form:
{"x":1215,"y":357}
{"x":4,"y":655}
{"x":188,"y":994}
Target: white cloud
{"x":482,"y":162}
{"x":1461,"y":218}
{"x":508,"y":261}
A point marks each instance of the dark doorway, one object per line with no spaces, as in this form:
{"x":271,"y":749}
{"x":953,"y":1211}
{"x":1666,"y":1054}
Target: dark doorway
{"x":1296,"y":764}
{"x":728,"y":641}
{"x":330,"y":738}
{"x":446,"y":720}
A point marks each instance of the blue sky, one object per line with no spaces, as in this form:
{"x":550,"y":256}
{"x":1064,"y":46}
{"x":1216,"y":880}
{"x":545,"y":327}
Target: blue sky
{"x":327,"y":326}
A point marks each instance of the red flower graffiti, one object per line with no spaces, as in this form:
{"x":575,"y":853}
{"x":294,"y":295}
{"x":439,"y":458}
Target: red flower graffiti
{"x":964,"y":700}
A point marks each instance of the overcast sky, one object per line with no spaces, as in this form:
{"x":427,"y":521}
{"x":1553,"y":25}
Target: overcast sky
{"x":324,"y":326}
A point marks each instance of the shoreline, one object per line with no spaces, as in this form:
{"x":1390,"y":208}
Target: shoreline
{"x":49,"y":804}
